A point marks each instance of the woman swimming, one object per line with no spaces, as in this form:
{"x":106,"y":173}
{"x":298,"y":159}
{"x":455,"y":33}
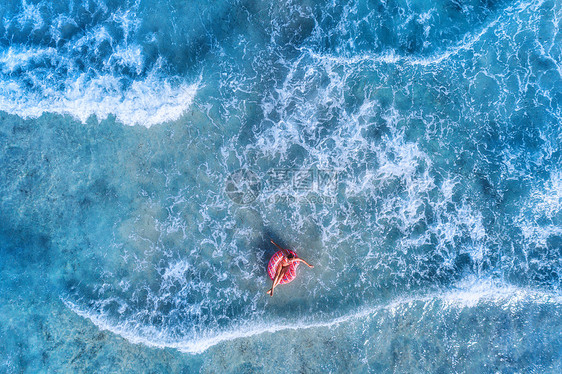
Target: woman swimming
{"x":283,"y":266}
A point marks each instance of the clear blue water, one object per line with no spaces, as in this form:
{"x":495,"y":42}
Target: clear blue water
{"x":410,"y":150}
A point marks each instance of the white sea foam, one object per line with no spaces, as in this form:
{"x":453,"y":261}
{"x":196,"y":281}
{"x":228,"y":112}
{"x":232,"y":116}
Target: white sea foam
{"x":468,"y":294}
{"x":547,"y":201}
{"x":539,"y":217}
{"x":31,"y":13}
{"x":391,"y":57}
{"x":98,"y":72}
{"x":394,"y":172}
{"x":145,"y":101}
{"x":465,"y":44}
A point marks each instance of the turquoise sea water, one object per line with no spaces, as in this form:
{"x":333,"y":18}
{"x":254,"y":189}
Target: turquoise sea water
{"x":410,"y":150}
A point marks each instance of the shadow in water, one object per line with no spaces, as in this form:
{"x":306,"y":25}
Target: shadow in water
{"x":269,"y":248}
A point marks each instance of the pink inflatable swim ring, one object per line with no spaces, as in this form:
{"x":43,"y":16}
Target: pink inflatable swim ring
{"x":275,"y":260}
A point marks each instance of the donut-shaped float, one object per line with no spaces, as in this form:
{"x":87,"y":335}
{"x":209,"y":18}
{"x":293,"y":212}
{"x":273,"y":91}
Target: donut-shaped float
{"x":275,"y":260}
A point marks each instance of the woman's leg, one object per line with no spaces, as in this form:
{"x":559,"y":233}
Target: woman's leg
{"x":277,"y":273}
{"x":281,"y":271}
{"x":280,"y":276}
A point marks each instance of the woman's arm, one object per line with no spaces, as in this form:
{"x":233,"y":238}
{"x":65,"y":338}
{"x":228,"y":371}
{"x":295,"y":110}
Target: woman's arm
{"x":303,"y":261}
{"x":277,"y":245}
{"x":285,"y":252}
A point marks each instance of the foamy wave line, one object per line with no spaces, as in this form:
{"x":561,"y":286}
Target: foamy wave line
{"x":464,"y":45}
{"x":391,"y":57}
{"x":476,"y":292}
{"x":145,"y":102}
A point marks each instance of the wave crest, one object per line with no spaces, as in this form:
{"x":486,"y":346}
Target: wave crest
{"x":470,"y":294}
